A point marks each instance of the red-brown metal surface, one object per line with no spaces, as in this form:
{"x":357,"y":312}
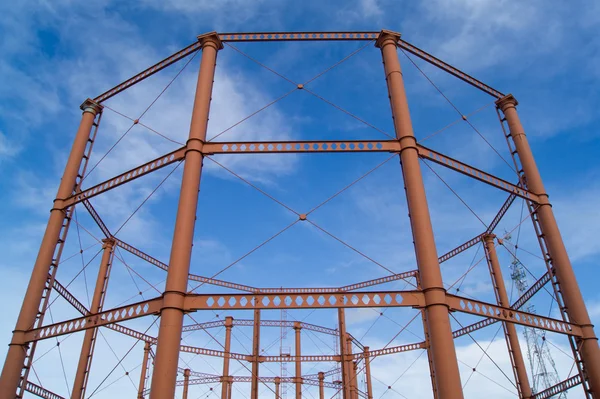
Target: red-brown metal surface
{"x":430,"y":297}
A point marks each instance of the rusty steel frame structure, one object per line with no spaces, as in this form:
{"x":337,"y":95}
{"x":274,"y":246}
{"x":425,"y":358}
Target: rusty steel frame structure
{"x":430,"y":296}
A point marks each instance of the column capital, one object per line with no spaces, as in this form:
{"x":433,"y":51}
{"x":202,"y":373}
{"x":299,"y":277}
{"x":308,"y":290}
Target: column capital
{"x":321,"y":375}
{"x":506,"y":102}
{"x":91,"y":106}
{"x":489,"y":237}
{"x":228,"y":322}
{"x":385,"y":36}
{"x":277,"y":380}
{"x":210,"y":39}
{"x":108,"y":243}
{"x":186,"y":372}
{"x":297,"y":326}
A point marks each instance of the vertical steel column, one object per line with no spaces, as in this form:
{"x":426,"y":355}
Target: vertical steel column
{"x":144,"y":372}
{"x":277,"y":382}
{"x":186,"y":383}
{"x":442,"y":344}
{"x":255,"y":355}
{"x":573,"y":300}
{"x":321,"y":385}
{"x":17,"y":350}
{"x":171,"y":316}
{"x":367,"y":355}
{"x":343,"y":357}
{"x":298,"y":377}
{"x":225,"y":391}
{"x":350,"y":366}
{"x":512,"y":338}
{"x":89,"y":339}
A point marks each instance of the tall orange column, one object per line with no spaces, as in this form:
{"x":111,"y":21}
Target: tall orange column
{"x":171,"y":316}
{"x":343,"y":356}
{"x":186,"y":383}
{"x":573,"y":300}
{"x":298,"y":377}
{"x":351,"y":367}
{"x":277,"y":382}
{"x":367,"y":354}
{"x":17,"y":351}
{"x":226,"y":389}
{"x":321,"y":385}
{"x":442,"y":344}
{"x":144,"y":372}
{"x":255,"y":355}
{"x":89,"y":339}
{"x":512,"y":337}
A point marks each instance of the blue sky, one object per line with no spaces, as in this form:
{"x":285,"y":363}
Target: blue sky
{"x":56,"y":54}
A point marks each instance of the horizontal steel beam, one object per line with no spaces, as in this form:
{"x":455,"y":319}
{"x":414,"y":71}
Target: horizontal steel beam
{"x":126,"y":177}
{"x":538,"y":285}
{"x":128,"y":312}
{"x":381,"y":280}
{"x":41,"y":392}
{"x":294,"y":147}
{"x":479,"y":308}
{"x":283,"y":300}
{"x":478,"y":174}
{"x":461,"y":248}
{"x":449,"y":68}
{"x":558,"y":388}
{"x":149,"y":72}
{"x":296,"y":36}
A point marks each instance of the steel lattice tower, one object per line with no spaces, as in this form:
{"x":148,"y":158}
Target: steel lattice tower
{"x":430,"y":296}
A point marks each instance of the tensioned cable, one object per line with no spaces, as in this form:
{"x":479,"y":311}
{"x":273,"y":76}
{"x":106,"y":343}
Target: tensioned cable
{"x":458,"y":111}
{"x":351,"y":184}
{"x":455,"y":122}
{"x":62,"y":364}
{"x":239,"y":361}
{"x":488,"y":378}
{"x":254,"y":113}
{"x":484,"y":351}
{"x":470,"y":266}
{"x":401,"y":375}
{"x":130,"y":269}
{"x":455,"y":193}
{"x":142,"y":114}
{"x":347,"y":112}
{"x":122,"y":358}
{"x":375,"y":357}
{"x":116,"y":357}
{"x":143,"y":125}
{"x":481,"y":358}
{"x":507,"y":234}
{"x":247,"y":254}
{"x":352,"y":248}
{"x":304,"y":88}
{"x":148,"y":197}
{"x":297,"y":213}
{"x":73,"y":279}
{"x":253,"y":186}
{"x":119,"y":379}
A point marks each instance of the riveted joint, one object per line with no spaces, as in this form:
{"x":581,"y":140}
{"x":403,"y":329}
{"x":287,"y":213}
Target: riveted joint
{"x":407,"y":142}
{"x":173,"y":300}
{"x":508,"y":101}
{"x":587,"y":332}
{"x":211,"y":39}
{"x":18,"y":338}
{"x":59,"y":205}
{"x":543,"y":199}
{"x":387,"y":37}
{"x":435,"y":296}
{"x":194,"y":144}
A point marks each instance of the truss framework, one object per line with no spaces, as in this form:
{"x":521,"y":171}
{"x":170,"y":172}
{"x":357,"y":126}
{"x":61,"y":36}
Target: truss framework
{"x":430,"y":298}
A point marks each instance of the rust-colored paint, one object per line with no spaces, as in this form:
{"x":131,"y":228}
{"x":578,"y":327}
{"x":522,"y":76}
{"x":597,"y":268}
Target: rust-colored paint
{"x":442,"y":344}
